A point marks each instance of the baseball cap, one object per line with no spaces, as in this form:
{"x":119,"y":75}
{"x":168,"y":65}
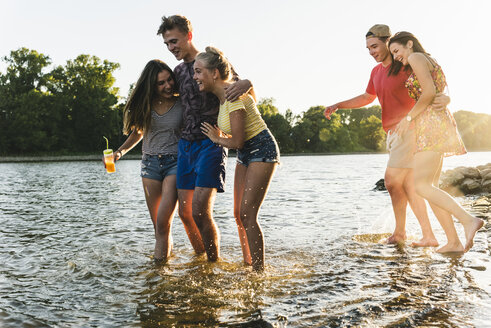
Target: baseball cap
{"x":378,"y":31}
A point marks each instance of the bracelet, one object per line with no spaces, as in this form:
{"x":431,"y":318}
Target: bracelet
{"x":120,"y":153}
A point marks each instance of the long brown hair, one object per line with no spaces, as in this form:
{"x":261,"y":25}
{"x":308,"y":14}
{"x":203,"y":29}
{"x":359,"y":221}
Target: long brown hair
{"x":403,"y":38}
{"x":138,"y":111}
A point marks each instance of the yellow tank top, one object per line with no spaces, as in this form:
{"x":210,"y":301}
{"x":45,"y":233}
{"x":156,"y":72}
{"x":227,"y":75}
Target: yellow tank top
{"x":254,"y":123}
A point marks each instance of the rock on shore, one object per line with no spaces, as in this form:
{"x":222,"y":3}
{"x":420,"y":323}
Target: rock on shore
{"x":467,"y":180}
{"x":461,"y":180}
{"x":480,"y":207}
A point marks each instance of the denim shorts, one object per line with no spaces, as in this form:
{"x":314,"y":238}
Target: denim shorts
{"x":201,"y":163}
{"x":260,"y":148}
{"x":157,"y":167}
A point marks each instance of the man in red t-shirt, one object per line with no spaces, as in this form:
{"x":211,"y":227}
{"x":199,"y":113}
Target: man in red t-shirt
{"x":396,"y":103}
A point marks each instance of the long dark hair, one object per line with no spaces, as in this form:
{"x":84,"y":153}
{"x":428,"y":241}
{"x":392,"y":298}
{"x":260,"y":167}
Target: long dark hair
{"x":138,"y":111}
{"x":403,"y":38}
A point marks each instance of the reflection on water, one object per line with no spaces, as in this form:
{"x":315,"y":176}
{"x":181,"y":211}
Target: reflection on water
{"x":76,"y":247}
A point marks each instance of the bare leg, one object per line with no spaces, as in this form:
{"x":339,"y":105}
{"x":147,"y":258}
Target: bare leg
{"x":445,"y":218}
{"x":165,"y":216}
{"x":427,"y":165}
{"x":203,"y":201}
{"x":394,"y":180}
{"x":418,"y":206}
{"x":186,"y":215}
{"x":161,"y":201}
{"x":257,"y":179}
{"x":239,"y":182}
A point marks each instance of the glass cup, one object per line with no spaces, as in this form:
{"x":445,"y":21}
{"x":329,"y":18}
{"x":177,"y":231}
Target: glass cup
{"x":109,"y":161}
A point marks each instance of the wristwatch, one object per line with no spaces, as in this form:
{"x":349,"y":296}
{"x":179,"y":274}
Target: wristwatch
{"x":408,"y":118}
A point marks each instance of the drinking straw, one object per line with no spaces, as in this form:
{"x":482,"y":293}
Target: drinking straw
{"x":107,"y":142}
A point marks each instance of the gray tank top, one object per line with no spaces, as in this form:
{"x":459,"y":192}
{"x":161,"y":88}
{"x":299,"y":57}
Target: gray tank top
{"x":164,"y":133}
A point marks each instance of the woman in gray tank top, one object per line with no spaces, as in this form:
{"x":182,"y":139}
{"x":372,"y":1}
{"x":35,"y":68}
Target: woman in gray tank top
{"x":154,"y":113}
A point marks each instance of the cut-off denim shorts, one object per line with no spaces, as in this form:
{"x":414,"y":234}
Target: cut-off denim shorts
{"x":157,"y":167}
{"x":260,"y":148}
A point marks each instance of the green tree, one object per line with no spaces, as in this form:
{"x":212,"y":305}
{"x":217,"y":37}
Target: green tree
{"x":314,"y":133}
{"x":475,"y":129}
{"x":352,"y":120}
{"x":278,"y":124}
{"x":371,"y":133}
{"x":27,"y":120}
{"x":84,"y":90}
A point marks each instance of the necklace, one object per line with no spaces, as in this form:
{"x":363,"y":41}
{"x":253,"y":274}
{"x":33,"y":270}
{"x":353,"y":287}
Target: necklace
{"x":164,"y":102}
{"x":163,"y":106}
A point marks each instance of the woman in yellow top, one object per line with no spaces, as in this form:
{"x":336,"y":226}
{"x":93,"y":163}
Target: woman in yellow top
{"x":241,"y":127}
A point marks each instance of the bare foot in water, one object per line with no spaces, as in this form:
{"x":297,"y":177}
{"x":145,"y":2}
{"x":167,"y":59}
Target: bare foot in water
{"x":451,"y":248}
{"x":396,"y":239}
{"x":470,"y":231}
{"x":425,"y":242}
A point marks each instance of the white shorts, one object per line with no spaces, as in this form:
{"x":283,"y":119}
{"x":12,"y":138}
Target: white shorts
{"x":401,"y":149}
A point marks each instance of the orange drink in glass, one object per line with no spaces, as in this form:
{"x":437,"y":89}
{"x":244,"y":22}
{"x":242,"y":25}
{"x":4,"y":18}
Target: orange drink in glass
{"x":109,"y":161}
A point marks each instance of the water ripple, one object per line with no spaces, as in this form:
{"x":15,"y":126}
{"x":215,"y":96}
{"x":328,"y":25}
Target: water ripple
{"x":77,"y":245}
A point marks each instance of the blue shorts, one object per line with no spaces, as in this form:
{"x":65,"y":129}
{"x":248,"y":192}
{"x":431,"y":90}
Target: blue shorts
{"x":260,"y":148}
{"x":157,"y":167}
{"x":201,"y":163}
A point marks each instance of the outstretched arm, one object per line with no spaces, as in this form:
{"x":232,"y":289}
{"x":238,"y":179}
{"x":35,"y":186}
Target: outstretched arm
{"x":356,"y":102}
{"x":132,"y":140}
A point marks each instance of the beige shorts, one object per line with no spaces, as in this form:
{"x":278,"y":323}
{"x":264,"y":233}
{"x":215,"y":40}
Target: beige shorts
{"x":401,"y":149}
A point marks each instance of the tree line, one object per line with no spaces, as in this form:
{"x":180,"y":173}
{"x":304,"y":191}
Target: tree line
{"x":67,"y":109}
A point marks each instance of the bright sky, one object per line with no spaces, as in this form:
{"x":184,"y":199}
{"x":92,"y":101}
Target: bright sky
{"x":301,"y":53}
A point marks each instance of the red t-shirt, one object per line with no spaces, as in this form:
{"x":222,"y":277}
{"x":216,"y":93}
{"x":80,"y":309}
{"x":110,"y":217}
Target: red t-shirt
{"x":392,"y":95}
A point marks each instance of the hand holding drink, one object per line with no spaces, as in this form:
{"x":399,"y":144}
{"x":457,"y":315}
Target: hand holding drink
{"x":109,"y":158}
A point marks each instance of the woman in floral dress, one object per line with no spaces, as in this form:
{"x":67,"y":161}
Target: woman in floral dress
{"x":436,"y":137}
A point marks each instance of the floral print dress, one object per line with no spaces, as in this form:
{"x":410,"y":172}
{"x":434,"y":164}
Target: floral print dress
{"x":436,"y":130}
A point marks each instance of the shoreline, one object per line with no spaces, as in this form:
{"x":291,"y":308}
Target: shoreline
{"x":57,"y":158}
{"x":76,"y":158}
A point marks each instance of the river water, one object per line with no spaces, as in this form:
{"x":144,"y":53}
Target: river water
{"x":76,"y":251}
